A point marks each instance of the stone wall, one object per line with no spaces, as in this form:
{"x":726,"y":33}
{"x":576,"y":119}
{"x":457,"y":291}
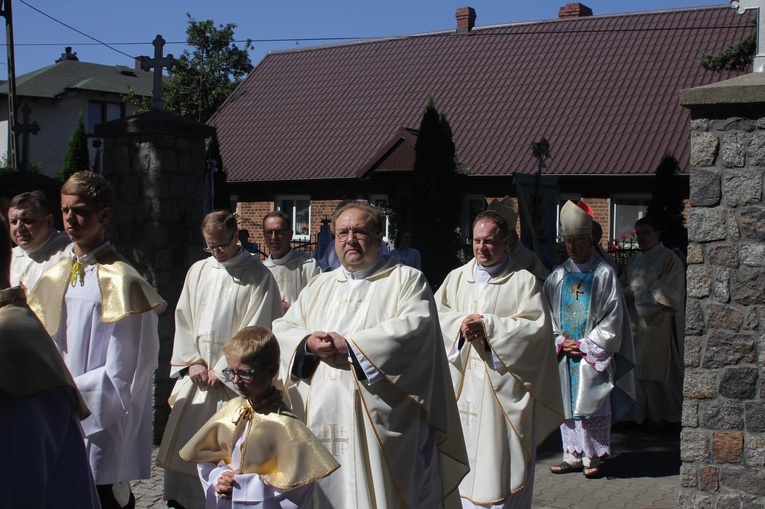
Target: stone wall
{"x":723,"y":438}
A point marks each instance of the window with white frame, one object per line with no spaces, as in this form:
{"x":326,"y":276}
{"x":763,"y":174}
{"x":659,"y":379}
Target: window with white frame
{"x":626,"y":210}
{"x":299,"y":208}
{"x":102,"y":111}
{"x":381,"y":201}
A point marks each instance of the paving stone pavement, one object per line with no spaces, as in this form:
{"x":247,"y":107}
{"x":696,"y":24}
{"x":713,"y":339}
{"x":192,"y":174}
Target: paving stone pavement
{"x":642,"y":473}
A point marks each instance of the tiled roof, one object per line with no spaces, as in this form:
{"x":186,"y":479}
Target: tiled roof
{"x":69,"y":75}
{"x":604,"y":90}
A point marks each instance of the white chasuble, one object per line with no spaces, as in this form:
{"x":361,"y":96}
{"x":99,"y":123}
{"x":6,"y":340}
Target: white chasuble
{"x":507,"y":388}
{"x":397,"y":439}
{"x":292,"y":273}
{"x":217,"y":301}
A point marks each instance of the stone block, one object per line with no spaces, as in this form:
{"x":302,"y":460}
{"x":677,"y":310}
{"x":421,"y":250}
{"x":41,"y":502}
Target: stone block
{"x":699,"y":281}
{"x":724,"y":255}
{"x":723,"y":317}
{"x":733,"y":149}
{"x":754,"y":450}
{"x":734,"y":124}
{"x":690,"y":418}
{"x":739,"y":383}
{"x":755,"y":416}
{"x":688,"y":476}
{"x":699,"y":384}
{"x":694,"y":317}
{"x":728,"y":502}
{"x":723,"y":414}
{"x":722,"y":285}
{"x":749,"y":481}
{"x":755,"y":151}
{"x":692,"y":351}
{"x":694,"y":500}
{"x":751,"y":320}
{"x":727,"y":447}
{"x":742,"y":187}
{"x":747,"y":286}
{"x":726,"y":348}
{"x":694,"y":446}
{"x":761,"y":352}
{"x":704,"y":147}
{"x":708,"y":478}
{"x":695,"y":254}
{"x":702,"y":124}
{"x":752,"y":220}
{"x":753,"y":255}
{"x":706,"y":225}
{"x":705,"y":187}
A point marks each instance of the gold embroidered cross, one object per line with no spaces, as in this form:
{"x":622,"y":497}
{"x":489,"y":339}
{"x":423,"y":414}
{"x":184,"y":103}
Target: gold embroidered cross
{"x":576,"y":291}
{"x":335,"y":437}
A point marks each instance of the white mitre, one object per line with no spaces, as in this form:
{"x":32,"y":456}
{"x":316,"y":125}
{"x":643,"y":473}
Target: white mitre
{"x":506,"y":208}
{"x":574,"y":220}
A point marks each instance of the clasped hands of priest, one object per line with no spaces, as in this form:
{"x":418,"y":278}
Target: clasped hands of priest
{"x":200,"y":375}
{"x":330,"y":347}
{"x":570,"y":347}
{"x":472,"y":328}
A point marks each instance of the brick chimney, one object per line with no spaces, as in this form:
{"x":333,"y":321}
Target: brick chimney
{"x":574,"y":10}
{"x":68,"y":55}
{"x":465,"y":19}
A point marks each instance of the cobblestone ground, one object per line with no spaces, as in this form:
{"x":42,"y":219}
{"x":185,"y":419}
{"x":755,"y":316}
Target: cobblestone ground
{"x":643,"y":473}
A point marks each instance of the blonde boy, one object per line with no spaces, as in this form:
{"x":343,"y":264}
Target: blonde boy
{"x":254,"y":450}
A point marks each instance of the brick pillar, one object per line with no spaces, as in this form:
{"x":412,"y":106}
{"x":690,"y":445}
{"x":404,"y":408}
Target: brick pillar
{"x":723,"y":438}
{"x":156,"y":163}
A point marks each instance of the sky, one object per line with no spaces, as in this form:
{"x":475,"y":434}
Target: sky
{"x":129,"y":27}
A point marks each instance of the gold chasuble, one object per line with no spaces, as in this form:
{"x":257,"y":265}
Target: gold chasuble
{"x":389,"y":418}
{"x":278,"y":447}
{"x":123,"y":291}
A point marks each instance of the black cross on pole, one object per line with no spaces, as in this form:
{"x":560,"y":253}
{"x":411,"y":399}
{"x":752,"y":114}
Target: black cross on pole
{"x":157,"y":63}
{"x":24,"y":129}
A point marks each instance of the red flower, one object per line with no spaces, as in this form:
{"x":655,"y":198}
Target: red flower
{"x":633,"y":233}
{"x":624,"y":236}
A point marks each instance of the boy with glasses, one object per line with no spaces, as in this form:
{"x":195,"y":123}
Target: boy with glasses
{"x":102,"y":316}
{"x":222,"y":294}
{"x":254,"y":451}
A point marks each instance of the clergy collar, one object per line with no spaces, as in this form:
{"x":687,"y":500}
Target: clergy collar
{"x":584,"y":267}
{"x":364,"y":273}
{"x":234,"y":260}
{"x":91,"y":256}
{"x":485,"y":274}
{"x":284,"y":259}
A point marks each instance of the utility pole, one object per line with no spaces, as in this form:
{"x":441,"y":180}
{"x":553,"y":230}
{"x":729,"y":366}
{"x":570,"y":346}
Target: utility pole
{"x":7,"y":12}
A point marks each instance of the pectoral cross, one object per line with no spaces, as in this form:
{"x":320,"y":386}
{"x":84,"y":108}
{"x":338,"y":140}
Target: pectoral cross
{"x":468,"y":411}
{"x":334,"y":438}
{"x":576,"y":291}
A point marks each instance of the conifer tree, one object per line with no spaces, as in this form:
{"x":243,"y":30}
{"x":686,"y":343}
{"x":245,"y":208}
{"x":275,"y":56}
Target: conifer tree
{"x":77,"y":156}
{"x":435,"y":195}
{"x":221,"y":199}
{"x":666,"y":204}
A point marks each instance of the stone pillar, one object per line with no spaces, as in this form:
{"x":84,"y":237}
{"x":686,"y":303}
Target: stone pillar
{"x":156,"y":163}
{"x":723,"y":438}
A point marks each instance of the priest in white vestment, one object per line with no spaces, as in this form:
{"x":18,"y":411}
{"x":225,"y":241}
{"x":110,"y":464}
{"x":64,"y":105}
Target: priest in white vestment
{"x":38,"y":244}
{"x":222,"y":294}
{"x":594,"y":346}
{"x":519,"y":254}
{"x":654,"y":287}
{"x":363,"y":364}
{"x":102,"y":316}
{"x":40,"y":410}
{"x":498,"y":338}
{"x":291,"y":269}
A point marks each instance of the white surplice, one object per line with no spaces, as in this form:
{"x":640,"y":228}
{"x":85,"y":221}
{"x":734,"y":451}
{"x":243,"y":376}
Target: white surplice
{"x":508,"y":391}
{"x":396,"y":434}
{"x":217,"y":301}
{"x":292,"y":273}
{"x":27,"y":266}
{"x":657,"y":316}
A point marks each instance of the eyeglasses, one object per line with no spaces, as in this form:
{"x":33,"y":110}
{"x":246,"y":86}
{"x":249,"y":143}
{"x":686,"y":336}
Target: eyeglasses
{"x":359,"y":233}
{"x":245,"y":375}
{"x":219,"y":249}
{"x":281,"y":232}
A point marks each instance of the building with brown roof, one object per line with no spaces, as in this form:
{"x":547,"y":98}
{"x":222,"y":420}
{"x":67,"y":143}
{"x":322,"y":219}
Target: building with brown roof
{"x":314,"y":125}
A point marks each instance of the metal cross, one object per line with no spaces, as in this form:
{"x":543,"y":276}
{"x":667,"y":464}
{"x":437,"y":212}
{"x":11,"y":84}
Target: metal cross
{"x":157,"y":63}
{"x":741,"y":7}
{"x":576,"y":291}
{"x":24,"y":129}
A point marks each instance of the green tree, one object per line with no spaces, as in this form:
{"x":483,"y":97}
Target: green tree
{"x":77,"y":156}
{"x":667,"y":205}
{"x":201,"y":80}
{"x":221,"y":199}
{"x":737,"y":57}
{"x":435,"y":209}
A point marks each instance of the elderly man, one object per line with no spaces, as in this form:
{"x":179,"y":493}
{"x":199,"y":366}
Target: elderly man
{"x":497,"y":330}
{"x":654,"y":287}
{"x":292,"y":269}
{"x":594,"y":344}
{"x":364,"y":366}
{"x":519,"y":254}
{"x":38,"y":245}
